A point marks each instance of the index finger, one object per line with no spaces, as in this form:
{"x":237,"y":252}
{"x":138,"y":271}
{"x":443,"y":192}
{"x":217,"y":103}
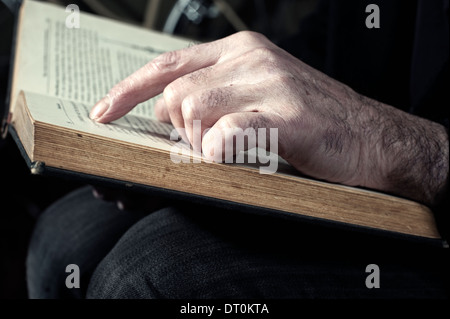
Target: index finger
{"x":151,"y":79}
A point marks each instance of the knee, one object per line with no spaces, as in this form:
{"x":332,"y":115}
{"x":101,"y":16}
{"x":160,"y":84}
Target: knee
{"x":152,"y":260}
{"x":51,"y":248}
{"x":78,"y":229}
{"x":128,"y":269}
{"x":118,"y":278}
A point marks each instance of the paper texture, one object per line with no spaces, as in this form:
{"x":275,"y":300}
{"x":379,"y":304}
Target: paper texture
{"x":81,"y":64}
{"x":75,"y":116}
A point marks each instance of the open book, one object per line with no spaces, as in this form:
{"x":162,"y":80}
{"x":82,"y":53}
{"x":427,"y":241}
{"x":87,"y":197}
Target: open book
{"x":59,"y":73}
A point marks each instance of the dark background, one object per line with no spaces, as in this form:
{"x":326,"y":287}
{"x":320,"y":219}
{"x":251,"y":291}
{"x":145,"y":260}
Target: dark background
{"x":24,"y":196}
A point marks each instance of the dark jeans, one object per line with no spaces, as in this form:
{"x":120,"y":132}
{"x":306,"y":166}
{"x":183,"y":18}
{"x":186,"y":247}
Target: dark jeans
{"x":191,"y":251}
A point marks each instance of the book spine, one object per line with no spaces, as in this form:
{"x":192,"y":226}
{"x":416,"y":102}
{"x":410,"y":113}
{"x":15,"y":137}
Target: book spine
{"x":13,"y":7}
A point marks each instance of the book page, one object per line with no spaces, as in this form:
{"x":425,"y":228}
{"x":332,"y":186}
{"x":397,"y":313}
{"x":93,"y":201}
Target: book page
{"x":135,"y":129}
{"x":75,"y":115}
{"x":81,"y":64}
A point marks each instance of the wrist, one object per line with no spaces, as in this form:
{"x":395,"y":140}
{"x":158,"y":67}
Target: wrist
{"x":411,"y":155}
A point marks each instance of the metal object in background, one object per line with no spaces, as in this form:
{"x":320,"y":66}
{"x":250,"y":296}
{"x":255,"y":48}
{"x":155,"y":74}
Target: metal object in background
{"x":204,"y":20}
{"x":197,"y":10}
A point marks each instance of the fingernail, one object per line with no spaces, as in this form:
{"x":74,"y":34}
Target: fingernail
{"x":99,"y":109}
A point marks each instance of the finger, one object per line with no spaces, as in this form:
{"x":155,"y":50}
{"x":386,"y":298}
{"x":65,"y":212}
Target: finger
{"x":207,"y":106}
{"x":161,"y":112}
{"x":177,"y":91}
{"x":231,"y":74}
{"x":151,"y":79}
{"x":238,"y":132}
{"x":147,"y":82}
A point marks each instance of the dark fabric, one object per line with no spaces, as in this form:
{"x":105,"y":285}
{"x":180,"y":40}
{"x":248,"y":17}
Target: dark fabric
{"x":200,"y":252}
{"x":404,"y":63}
{"x":76,"y":230}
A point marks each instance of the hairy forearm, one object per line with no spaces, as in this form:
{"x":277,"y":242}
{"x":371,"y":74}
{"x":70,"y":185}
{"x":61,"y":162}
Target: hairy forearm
{"x":412,"y":154}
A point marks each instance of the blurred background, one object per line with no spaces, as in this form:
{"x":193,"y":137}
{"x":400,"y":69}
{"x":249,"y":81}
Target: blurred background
{"x":24,"y":196}
{"x":204,"y":20}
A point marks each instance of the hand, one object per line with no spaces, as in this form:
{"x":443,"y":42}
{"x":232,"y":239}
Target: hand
{"x":326,"y":130}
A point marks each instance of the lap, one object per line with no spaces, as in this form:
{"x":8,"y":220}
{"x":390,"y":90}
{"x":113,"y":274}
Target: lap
{"x":203,"y":252}
{"x":193,"y":251}
{"x":78,"y":229}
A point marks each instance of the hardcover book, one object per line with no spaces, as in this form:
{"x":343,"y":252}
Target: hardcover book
{"x":60,"y":72}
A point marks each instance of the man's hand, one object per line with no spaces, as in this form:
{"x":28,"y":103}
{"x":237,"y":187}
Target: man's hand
{"x":326,"y":130}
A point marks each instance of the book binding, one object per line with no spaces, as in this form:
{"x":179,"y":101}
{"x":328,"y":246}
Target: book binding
{"x":40,"y":168}
{"x":13,"y":7}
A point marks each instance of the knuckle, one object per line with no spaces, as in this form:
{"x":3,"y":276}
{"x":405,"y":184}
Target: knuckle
{"x":284,"y":79}
{"x":262,"y":57}
{"x":252,"y":37}
{"x":170,"y":95}
{"x":228,"y":121}
{"x":268,"y":55}
{"x":167,"y":61}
